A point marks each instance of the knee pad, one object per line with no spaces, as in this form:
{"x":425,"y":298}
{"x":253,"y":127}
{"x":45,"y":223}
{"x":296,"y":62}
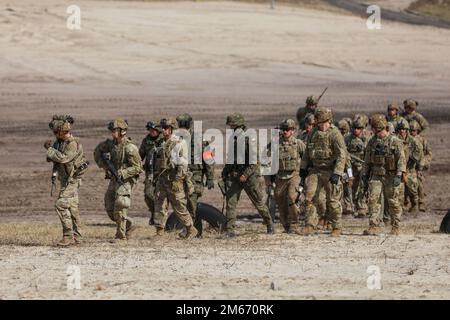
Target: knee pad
{"x":122,"y":202}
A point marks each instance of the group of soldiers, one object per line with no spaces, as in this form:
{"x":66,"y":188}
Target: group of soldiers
{"x":374,"y":173}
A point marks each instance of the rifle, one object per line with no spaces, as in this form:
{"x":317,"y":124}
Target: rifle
{"x":106,"y":157}
{"x":355,"y":158}
{"x":223,"y":188}
{"x":348,"y":191}
{"x":54,"y":175}
{"x":321,"y":95}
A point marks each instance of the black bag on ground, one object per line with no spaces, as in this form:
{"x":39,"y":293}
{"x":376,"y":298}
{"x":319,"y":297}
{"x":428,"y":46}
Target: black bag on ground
{"x":445,"y":224}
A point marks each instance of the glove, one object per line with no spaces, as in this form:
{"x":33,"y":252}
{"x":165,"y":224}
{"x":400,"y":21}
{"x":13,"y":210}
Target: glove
{"x":397,"y":181}
{"x":48,"y":144}
{"x":210,"y":184}
{"x":335,"y":178}
{"x":404,"y":177}
{"x":303,"y":173}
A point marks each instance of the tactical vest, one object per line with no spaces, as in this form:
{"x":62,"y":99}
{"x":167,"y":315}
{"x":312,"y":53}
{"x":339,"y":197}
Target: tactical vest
{"x":356,"y":147}
{"x":78,"y":166}
{"x":289,"y":156}
{"x":382,"y":156}
{"x":163,"y":157}
{"x":319,"y":148}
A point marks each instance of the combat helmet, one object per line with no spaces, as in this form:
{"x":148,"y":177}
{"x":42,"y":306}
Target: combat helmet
{"x":61,"y":123}
{"x":118,"y":124}
{"x":235,"y":119}
{"x":362,"y":119}
{"x":323,"y":114}
{"x":151,"y":125}
{"x":287,"y":124}
{"x":310,"y":119}
{"x":412,"y":104}
{"x":184,"y":120}
{"x":168,"y":122}
{"x":378,"y":121}
{"x":392,"y":106}
{"x":414,"y":125}
{"x":402,"y":124}
{"x":343,"y":126}
{"x":312,"y":101}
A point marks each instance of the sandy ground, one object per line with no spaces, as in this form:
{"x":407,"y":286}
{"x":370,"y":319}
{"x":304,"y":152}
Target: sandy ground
{"x":143,"y":61}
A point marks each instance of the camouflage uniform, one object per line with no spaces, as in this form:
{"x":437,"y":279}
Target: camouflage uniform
{"x":197,"y":167}
{"x":343,"y":127}
{"x":427,"y":157}
{"x":69,"y":164}
{"x":384,"y":165}
{"x":307,"y":110}
{"x":324,"y":160}
{"x":356,"y":147}
{"x":287,"y":179}
{"x":124,"y":156}
{"x":393,"y":121}
{"x":171,"y":170}
{"x":233,"y":170}
{"x":146,"y":151}
{"x":414,"y":115}
{"x":413,"y":150}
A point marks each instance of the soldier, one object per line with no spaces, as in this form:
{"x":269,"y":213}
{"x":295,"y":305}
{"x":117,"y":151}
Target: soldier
{"x":382,"y":174}
{"x":171,"y":171}
{"x":356,"y":143}
{"x":120,"y":159}
{"x":308,"y":126}
{"x":323,"y":164}
{"x":245,"y":176}
{"x":413,"y":150}
{"x":414,"y":129}
{"x":287,"y":179}
{"x":410,"y":113}
{"x":148,"y":146}
{"x":308,"y":109}
{"x":197,"y":167}
{"x":343,"y":127}
{"x":393,"y":117}
{"x":69,"y":164}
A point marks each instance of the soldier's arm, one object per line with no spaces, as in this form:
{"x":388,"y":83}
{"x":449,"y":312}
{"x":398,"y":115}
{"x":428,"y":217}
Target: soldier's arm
{"x":252,"y":148}
{"x":340,"y":151}
{"x":423,"y":123}
{"x":366,"y":165}
{"x":417,"y":154}
{"x":301,"y":148}
{"x":428,"y":155}
{"x":133,"y":160}
{"x":70,"y":152}
{"x":305,"y":163}
{"x":102,"y":147}
{"x":142,"y":150}
{"x":401,"y":159}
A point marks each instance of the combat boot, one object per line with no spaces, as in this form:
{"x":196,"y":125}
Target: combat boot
{"x":270,"y":229}
{"x":336,"y":233}
{"x":308,"y":230}
{"x":229,"y":235}
{"x":295,"y":229}
{"x":78,"y":240}
{"x":422,"y":207}
{"x":130,"y":229}
{"x":118,"y":240}
{"x":65,"y":242}
{"x":321,"y":224}
{"x":159,"y":231}
{"x":395,"y":231}
{"x":372,"y":231}
{"x":414,"y":209}
{"x":191,"y":233}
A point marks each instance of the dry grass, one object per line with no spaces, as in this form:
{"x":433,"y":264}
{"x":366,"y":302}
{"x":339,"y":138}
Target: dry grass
{"x":436,"y":8}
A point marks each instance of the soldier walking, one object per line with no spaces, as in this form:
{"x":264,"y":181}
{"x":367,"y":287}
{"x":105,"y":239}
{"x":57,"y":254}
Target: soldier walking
{"x":69,"y":164}
{"x":170,"y":170}
{"x":120,"y":159}
{"x":323,"y":167}
{"x":243,"y":175}
{"x":382,"y":174}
